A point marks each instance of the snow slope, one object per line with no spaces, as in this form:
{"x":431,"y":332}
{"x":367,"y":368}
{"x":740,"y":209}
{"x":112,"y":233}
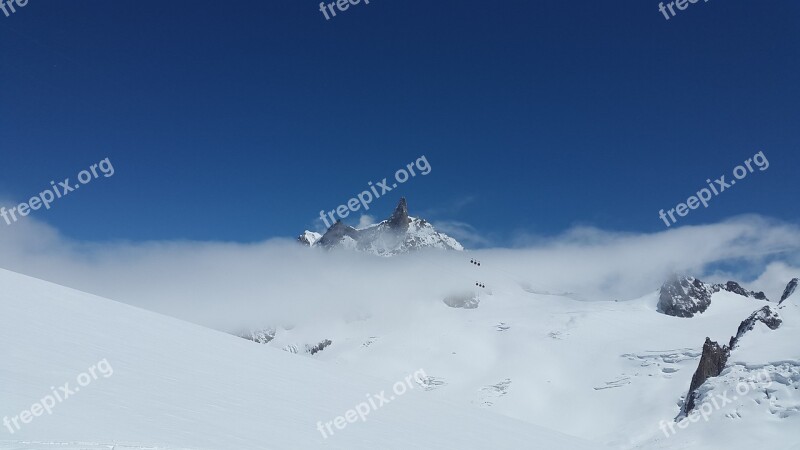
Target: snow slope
{"x":605,"y":371}
{"x":180,"y":386}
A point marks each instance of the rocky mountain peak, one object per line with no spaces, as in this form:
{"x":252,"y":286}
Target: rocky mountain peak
{"x":684,"y":296}
{"x":399,"y":219}
{"x":400,"y":233}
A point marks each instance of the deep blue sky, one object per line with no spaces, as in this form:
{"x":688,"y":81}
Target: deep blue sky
{"x":241,"y":120}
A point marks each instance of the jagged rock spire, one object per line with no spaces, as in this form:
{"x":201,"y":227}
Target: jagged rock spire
{"x":790,"y":288}
{"x":712,"y":362}
{"x":398,"y":234}
{"x":399,"y":218}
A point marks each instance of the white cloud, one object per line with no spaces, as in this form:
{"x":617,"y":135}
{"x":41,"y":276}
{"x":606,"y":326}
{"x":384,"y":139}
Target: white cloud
{"x":228,"y":285}
{"x":462,"y":232}
{"x":365,"y":221}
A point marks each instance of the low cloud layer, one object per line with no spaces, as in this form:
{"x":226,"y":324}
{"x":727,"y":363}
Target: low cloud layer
{"x":229,"y":286}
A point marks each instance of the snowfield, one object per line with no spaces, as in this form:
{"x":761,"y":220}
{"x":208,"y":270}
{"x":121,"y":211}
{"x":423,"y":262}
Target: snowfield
{"x":606,"y":371}
{"x":176,"y":385}
{"x":513,"y":367}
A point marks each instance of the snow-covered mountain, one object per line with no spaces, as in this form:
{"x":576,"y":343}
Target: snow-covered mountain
{"x":398,"y":234}
{"x":171,"y":385}
{"x":618,"y":373}
{"x":506,"y":365}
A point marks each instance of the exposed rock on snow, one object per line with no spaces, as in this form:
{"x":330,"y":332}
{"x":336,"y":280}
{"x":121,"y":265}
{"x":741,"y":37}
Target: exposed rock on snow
{"x":712,"y":362}
{"x":399,"y":219}
{"x":736,"y":288}
{"x":319,"y":347}
{"x":685,"y":296}
{"x":764,"y":315}
{"x":714,"y":357}
{"x":790,"y":288}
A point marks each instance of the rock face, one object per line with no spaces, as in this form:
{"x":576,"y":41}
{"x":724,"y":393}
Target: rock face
{"x":398,"y":234}
{"x":684,"y":296}
{"x":319,"y":347}
{"x":338,"y":233}
{"x":687,"y":296}
{"x":736,"y":288}
{"x":764,"y":315}
{"x":399,"y":219}
{"x":711,"y":364}
{"x":790,"y":288}
{"x":714,"y":357}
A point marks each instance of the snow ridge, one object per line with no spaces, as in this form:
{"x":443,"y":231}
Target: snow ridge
{"x":398,"y":234}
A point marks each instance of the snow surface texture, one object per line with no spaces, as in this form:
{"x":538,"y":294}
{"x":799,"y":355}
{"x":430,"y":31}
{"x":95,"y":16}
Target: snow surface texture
{"x":179,"y":386}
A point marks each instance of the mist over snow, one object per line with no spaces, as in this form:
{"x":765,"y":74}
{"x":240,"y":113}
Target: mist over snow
{"x":231,"y":285}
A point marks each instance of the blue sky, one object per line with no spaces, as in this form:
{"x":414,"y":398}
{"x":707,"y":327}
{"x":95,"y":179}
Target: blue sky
{"x":241,"y":121}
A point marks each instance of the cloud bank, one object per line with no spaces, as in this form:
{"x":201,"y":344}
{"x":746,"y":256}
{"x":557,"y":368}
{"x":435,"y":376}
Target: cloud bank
{"x":229,"y":286}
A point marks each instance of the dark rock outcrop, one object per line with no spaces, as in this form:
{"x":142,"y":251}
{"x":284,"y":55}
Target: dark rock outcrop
{"x":714,"y":357}
{"x":764,"y":315}
{"x":319,"y":347}
{"x":687,"y":296}
{"x":790,"y":288}
{"x":736,"y":288}
{"x":711,"y":364}
{"x":684,"y":296}
{"x":399,"y":219}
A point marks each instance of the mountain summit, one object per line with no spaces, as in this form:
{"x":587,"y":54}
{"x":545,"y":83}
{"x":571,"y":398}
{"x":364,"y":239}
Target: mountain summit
{"x":686,"y":296}
{"x":398,"y":234}
{"x":399,"y":219}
